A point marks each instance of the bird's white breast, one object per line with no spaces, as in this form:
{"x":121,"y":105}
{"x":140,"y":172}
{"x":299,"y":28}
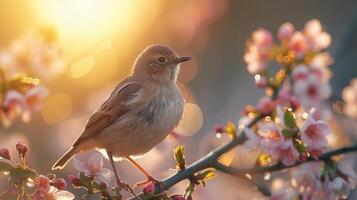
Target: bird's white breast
{"x":156,"y":112}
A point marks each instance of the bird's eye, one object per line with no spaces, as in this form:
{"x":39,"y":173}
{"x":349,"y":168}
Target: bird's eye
{"x":161,"y":59}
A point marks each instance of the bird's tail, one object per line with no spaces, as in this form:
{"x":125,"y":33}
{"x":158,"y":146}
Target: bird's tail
{"x":62,"y":162}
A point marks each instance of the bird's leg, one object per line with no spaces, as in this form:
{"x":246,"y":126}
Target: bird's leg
{"x":119,"y":183}
{"x":148,"y":176}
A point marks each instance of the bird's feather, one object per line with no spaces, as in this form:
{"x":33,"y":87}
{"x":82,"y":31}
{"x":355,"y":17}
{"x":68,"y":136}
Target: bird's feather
{"x":113,"y":108}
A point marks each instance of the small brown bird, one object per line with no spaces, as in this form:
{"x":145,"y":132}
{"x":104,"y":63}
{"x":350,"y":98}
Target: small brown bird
{"x":139,"y":113}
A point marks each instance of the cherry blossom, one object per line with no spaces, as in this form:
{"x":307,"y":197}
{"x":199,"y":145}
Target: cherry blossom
{"x":349,"y":95}
{"x":313,"y":133}
{"x":309,"y":86}
{"x":286,"y":30}
{"x":258,"y":51}
{"x":48,"y":192}
{"x":94,"y":167}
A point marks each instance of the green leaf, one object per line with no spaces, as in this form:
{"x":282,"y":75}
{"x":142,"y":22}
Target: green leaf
{"x":289,"y":119}
{"x":5,"y":167}
{"x":289,"y":133}
{"x":180,"y":157}
{"x":206,"y":175}
{"x":23,"y":172}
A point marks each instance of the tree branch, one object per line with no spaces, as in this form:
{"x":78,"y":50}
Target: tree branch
{"x":208,"y":161}
{"x":279,"y":166}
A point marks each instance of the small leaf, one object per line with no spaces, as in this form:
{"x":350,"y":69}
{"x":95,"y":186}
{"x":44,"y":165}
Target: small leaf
{"x":300,"y":146}
{"x":5,"y":167}
{"x":289,"y":133}
{"x":180,"y":157}
{"x":206,"y":175}
{"x":22,"y":173}
{"x":289,"y":119}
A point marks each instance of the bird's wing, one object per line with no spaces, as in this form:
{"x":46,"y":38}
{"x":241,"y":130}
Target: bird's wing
{"x":113,"y":108}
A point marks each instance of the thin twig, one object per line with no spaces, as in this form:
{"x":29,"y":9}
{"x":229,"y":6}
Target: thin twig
{"x":279,"y":166}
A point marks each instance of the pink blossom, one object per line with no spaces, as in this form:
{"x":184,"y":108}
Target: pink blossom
{"x":258,"y":49}
{"x":286,"y":30}
{"x":149,"y":188}
{"x":46,"y":191}
{"x":298,"y":44}
{"x":271,"y":136}
{"x":94,"y":167}
{"x":266,"y":105}
{"x":35,"y":97}
{"x":286,"y":152}
{"x":313,"y":133}
{"x":309,"y":87}
{"x":349,"y":95}
{"x":317,"y":38}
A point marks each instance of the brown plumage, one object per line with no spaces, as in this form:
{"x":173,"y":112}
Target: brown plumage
{"x":139,"y":113}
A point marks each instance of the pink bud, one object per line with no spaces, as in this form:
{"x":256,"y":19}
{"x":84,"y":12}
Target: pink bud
{"x":21,"y":148}
{"x":60,"y":184}
{"x":285,"y":31}
{"x":294,"y":103}
{"x":261,"y":83}
{"x":266,"y":105}
{"x":4,"y":153}
{"x":177,"y":197}
{"x":75,"y":180}
{"x":149,"y":188}
{"x":103,"y":186}
{"x":219,"y":128}
{"x":43,"y":182}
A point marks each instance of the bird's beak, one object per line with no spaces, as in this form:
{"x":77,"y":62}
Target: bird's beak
{"x":182,"y":59}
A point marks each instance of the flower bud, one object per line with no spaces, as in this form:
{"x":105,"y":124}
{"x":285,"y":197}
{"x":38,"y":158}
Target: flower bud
{"x":4,"y":153}
{"x":60,"y":184}
{"x":262,"y":82}
{"x":75,"y":180}
{"x":285,"y":31}
{"x":177,"y":197}
{"x":149,"y":188}
{"x":219,"y":128}
{"x":103,"y":186}
{"x":21,"y":148}
{"x":43,"y":182}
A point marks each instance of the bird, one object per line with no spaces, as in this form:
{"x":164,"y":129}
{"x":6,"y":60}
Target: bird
{"x":138,"y":114}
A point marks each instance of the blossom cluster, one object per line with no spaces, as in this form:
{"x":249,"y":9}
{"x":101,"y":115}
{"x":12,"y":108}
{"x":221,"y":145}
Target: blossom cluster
{"x":20,"y":96}
{"x":295,"y":119}
{"x":33,"y":55}
{"x":25,"y":183}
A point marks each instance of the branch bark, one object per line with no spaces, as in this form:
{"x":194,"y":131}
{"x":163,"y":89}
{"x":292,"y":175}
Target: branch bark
{"x":280,"y":166}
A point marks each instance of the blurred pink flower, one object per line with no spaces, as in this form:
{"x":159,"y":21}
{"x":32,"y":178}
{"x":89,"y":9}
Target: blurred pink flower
{"x":298,"y":44}
{"x":313,"y":133}
{"x":18,"y":104}
{"x":286,"y":152}
{"x":94,"y":167}
{"x":258,"y":50}
{"x":45,"y":191}
{"x":286,"y":30}
{"x":271,"y":136}
{"x":266,"y":105}
{"x":309,"y":86}
{"x":31,"y":55}
{"x":317,"y":38}
{"x":281,"y":195}
{"x":349,"y":95}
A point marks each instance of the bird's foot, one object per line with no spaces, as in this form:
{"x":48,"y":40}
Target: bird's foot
{"x":124,"y":186}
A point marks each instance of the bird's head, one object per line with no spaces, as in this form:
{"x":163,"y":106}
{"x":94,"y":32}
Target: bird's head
{"x":158,"y":62}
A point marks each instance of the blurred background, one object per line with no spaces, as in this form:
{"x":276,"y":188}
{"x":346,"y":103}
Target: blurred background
{"x":98,"y":40}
